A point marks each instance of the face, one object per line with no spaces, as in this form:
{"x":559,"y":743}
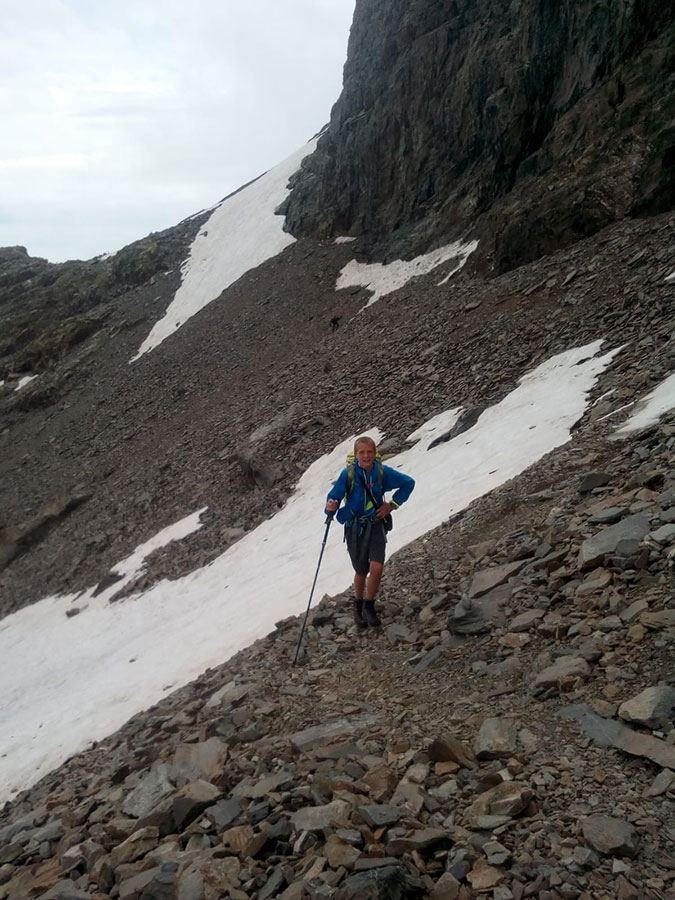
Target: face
{"x":365,"y":455}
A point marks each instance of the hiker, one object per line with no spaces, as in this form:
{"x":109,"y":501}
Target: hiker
{"x":366,"y":516}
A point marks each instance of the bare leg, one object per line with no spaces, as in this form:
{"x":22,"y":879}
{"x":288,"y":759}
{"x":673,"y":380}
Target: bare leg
{"x":374,"y":578}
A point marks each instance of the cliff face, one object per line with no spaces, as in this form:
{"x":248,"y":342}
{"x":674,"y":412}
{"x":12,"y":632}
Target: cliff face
{"x":531,"y":123}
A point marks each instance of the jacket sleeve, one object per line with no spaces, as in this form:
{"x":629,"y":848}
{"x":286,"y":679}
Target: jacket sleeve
{"x":339,"y":489}
{"x":401,"y":484}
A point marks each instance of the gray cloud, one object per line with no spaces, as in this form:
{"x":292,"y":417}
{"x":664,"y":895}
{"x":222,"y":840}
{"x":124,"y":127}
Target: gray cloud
{"x":121,"y":119}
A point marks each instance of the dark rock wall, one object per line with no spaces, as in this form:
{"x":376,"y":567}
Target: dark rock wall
{"x":532,"y":122}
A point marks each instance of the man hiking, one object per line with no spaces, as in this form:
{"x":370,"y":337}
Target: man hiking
{"x":366,"y":516}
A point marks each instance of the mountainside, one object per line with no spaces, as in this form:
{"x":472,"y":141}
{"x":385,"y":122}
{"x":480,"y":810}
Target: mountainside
{"x":509,"y":732}
{"x":530,"y":124}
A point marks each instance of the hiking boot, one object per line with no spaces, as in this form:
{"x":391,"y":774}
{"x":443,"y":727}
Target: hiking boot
{"x":369,"y":614}
{"x":359,"y":620}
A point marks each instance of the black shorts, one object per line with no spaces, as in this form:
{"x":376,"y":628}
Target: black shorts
{"x":367,"y":547}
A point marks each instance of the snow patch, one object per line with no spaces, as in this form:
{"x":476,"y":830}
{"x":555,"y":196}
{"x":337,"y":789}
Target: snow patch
{"x":22,"y":382}
{"x":242,"y":233}
{"x":650,"y":408}
{"x":383,"y":278}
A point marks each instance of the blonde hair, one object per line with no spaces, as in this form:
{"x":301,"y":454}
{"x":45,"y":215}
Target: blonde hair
{"x":364,"y":439}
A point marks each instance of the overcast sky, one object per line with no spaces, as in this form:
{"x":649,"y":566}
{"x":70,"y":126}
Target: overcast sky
{"x":123,"y":118}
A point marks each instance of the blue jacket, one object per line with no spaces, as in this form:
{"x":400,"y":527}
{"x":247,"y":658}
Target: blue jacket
{"x":358,"y":504}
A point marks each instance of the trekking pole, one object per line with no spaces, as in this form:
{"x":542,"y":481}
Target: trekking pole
{"x":329,"y":519}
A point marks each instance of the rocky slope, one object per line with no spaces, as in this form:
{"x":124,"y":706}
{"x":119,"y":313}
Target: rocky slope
{"x":97,"y":455}
{"x":529,"y":124}
{"x":508,"y":733}
{"x":479,"y":742}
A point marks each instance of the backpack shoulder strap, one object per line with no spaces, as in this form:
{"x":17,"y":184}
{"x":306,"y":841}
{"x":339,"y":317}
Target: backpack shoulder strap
{"x":351,"y":474}
{"x":350,"y":480}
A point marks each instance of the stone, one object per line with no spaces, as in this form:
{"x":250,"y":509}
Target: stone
{"x":445,"y":791}
{"x":309,"y":738}
{"x":295,"y":891}
{"x":273,"y":885}
{"x":652,"y":708}
{"x":380,"y":815}
{"x":82,"y":855}
{"x":594,"y":480}
{"x":135,"y":846}
{"x":565,"y":669}
{"x":634,"y":611}
{"x":64,"y":890}
{"x":132,"y":888}
{"x":417,"y":840}
{"x":608,"y":516}
{"x":484,"y":877}
{"x":450,"y":749}
{"x":11,"y":852}
{"x":205,"y":876}
{"x":610,"y":733}
{"x":397,"y":633}
{"x":496,"y":739}
{"x":663,"y":535}
{"x":223,"y":813}
{"x":384,"y":883}
{"x":485,"y":581}
{"x":526,"y":620}
{"x":255,"y":789}
{"x":496,"y":853}
{"x":663,"y":782}
{"x":595,"y":581}
{"x":610,"y":836}
{"x":498,"y":805}
{"x":381,"y":781}
{"x":317,"y":818}
{"x":466,"y":618}
{"x":427,"y":659}
{"x":191,"y":800}
{"x":409,"y":796}
{"x":151,"y":790}
{"x":230,"y":695}
{"x":664,"y":618}
{"x":199,"y":762}
{"x":340,"y":853}
{"x":594,"y":549}
{"x":446,"y":888}
{"x":244,"y":841}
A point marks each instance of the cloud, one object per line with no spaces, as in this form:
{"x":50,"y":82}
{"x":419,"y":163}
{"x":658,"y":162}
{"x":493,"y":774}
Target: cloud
{"x":135,"y":115}
{"x":55,"y":161}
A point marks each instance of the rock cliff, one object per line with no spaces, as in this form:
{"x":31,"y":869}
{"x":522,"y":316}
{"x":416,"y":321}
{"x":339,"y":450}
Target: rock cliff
{"x":530,"y":123}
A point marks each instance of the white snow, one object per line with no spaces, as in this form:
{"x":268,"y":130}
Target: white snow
{"x":383,"y":278}
{"x":67,"y":681}
{"x":242,"y":233}
{"x":22,"y":382}
{"x":344,"y":239}
{"x":649,"y":410}
{"x":131,"y":568}
{"x":670,"y":277}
